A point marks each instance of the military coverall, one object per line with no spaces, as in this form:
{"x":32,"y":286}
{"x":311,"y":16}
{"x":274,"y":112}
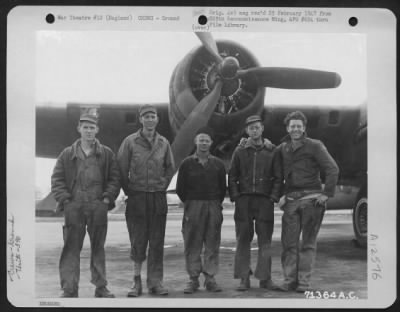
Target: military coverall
{"x":202,"y":189}
{"x":146,"y":170}
{"x":84,"y":181}
{"x":301,"y":169}
{"x":255,"y":181}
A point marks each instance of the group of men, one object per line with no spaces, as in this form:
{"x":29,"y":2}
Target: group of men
{"x":87,"y":179}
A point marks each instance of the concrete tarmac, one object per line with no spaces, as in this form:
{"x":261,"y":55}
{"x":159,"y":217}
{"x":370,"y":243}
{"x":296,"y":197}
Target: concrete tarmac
{"x":341,"y":267}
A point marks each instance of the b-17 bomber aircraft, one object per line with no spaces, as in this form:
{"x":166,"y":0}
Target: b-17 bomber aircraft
{"x":220,"y":83}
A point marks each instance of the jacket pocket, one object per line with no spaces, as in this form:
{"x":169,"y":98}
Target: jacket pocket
{"x":264,"y":185}
{"x":163,"y":183}
{"x":245,"y":184}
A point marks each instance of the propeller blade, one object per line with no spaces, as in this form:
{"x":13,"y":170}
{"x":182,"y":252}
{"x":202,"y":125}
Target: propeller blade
{"x":292,"y":78}
{"x":209,"y":43}
{"x":198,"y":118}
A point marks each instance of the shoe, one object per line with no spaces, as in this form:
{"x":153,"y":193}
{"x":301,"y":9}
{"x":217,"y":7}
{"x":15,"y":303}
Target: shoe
{"x":68,"y":294}
{"x":211,"y":285}
{"x":136,"y":289}
{"x":192,"y":285}
{"x":287,"y":287}
{"x":103,"y":292}
{"x":158,"y":290}
{"x":244,"y":284}
{"x":303,"y":288}
{"x":269,"y":284}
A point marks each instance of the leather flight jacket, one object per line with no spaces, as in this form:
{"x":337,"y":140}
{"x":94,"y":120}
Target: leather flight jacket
{"x":302,"y":166}
{"x":255,"y":170}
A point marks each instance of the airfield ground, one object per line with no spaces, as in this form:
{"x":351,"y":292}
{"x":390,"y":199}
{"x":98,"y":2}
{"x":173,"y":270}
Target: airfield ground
{"x":340,"y":265}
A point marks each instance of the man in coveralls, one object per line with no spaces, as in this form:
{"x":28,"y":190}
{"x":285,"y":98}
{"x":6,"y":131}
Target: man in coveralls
{"x":304,"y":202}
{"x":201,"y":185}
{"x":146,"y":166}
{"x":85,"y":183}
{"x":255,"y":182}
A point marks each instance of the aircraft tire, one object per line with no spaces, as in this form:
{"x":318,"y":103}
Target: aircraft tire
{"x":360,"y":220}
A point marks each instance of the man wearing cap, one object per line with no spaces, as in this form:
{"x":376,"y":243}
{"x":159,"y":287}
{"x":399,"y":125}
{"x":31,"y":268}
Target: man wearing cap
{"x":146,"y":166}
{"x":304,"y":202}
{"x":85,"y":183}
{"x":255,"y":181}
{"x":201,"y":185}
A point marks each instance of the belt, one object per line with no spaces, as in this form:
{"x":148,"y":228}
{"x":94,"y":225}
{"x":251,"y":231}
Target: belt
{"x":87,"y":196}
{"x":303,"y":194}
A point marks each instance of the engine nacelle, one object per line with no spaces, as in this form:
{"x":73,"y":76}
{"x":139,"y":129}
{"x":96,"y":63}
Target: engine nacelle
{"x":195,"y":76}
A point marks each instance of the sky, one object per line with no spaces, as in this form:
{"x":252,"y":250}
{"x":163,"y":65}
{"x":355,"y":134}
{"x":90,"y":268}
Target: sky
{"x":136,"y":66}
{"x":128,"y":66}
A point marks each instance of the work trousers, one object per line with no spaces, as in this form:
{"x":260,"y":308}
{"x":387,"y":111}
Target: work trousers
{"x":201,"y":225}
{"x":253,"y":211}
{"x":298,"y":258}
{"x":80,"y":216}
{"x":146,"y":216}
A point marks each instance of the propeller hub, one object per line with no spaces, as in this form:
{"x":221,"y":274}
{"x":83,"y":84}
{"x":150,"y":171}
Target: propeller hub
{"x":230,"y":85}
{"x":229,"y":67}
{"x":237,"y":93}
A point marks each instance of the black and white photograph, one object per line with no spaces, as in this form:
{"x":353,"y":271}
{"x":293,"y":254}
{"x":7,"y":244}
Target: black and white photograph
{"x":201,"y":157}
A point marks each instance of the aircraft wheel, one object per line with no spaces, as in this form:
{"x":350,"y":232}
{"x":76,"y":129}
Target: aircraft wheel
{"x":360,"y":221}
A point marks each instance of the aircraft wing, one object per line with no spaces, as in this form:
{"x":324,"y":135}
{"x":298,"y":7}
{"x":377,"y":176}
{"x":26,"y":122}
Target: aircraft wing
{"x":56,"y":126}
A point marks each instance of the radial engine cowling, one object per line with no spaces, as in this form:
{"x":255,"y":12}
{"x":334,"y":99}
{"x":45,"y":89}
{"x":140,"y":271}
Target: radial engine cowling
{"x":194,"y":78}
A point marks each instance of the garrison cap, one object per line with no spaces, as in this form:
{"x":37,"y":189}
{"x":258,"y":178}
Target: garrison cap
{"x":146,"y":109}
{"x":206,"y":130}
{"x":253,"y":118}
{"x":89,"y":118}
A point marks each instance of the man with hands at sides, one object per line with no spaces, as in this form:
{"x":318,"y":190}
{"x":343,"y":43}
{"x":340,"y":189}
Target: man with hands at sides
{"x":255,"y":181}
{"x":201,"y":185}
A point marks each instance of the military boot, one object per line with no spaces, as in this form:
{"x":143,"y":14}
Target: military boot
{"x":159,"y":290}
{"x":269,"y":284}
{"x":244,"y":284}
{"x":136,"y":289}
{"x":103,"y":292}
{"x":69,"y":294}
{"x":211,"y":285}
{"x":192,"y":286}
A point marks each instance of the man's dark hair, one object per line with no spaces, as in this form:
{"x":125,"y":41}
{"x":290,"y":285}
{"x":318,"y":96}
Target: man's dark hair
{"x":297,"y":115}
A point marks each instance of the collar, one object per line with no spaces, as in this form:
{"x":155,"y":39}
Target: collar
{"x":287,"y":138}
{"x":196,"y":157}
{"x":144,"y":137}
{"x":302,"y":141}
{"x":139,"y":134}
{"x":266,"y":143}
{"x":77,"y":143}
